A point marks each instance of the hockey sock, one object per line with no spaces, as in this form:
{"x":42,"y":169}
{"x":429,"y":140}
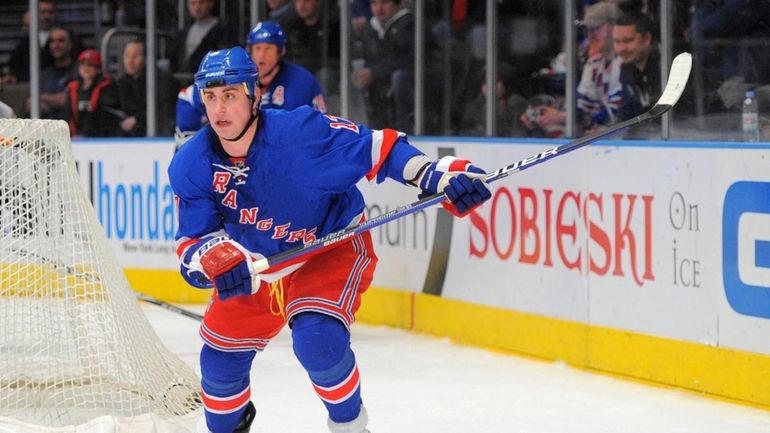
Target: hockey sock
{"x":322,"y":346}
{"x":225,"y":387}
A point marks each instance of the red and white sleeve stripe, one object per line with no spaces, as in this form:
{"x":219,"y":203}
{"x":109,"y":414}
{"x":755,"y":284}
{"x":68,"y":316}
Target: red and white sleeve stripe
{"x":382,"y":143}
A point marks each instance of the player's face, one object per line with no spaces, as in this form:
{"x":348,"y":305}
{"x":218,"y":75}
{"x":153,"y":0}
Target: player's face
{"x":266,"y":56}
{"x":629,"y":44}
{"x":228,"y":109}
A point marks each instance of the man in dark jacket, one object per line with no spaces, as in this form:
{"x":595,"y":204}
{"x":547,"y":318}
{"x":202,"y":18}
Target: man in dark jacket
{"x":388,"y":73}
{"x":313,"y":41}
{"x":18,"y":63}
{"x":206,"y":33}
{"x":132,"y":88}
{"x":640,"y":72}
{"x":54,"y":78}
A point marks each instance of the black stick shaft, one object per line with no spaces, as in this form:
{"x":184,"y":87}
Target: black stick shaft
{"x":169,"y":307}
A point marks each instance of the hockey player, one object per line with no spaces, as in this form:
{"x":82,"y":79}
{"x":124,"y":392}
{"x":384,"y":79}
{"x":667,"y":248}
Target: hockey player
{"x":283,"y":84}
{"x":256,"y":182}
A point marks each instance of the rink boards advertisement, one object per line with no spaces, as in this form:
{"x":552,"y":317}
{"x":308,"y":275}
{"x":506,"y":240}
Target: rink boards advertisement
{"x":127,"y":183}
{"x":663,"y":239}
{"x":667,"y":239}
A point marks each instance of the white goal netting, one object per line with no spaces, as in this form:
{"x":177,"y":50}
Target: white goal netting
{"x":74,"y":345}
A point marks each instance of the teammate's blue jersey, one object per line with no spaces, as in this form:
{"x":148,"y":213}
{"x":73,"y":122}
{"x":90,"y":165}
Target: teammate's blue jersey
{"x":189,"y":110}
{"x":292,"y":87}
{"x":296,"y":183}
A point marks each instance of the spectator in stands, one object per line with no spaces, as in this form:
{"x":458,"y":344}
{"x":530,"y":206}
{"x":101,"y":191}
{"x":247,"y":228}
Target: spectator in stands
{"x":132,"y":88}
{"x":729,"y":47}
{"x":280,"y":11}
{"x":640,"y":72}
{"x":54,"y":78}
{"x":314,"y":38}
{"x":388,"y":75}
{"x":284,"y":85}
{"x":92,"y":100}
{"x":6,"y":77}
{"x":133,"y":13}
{"x":598,"y":19}
{"x":6,"y":112}
{"x":599,"y":93}
{"x":510,"y":106}
{"x":361,"y":13}
{"x":18,"y":64}
{"x":544,"y":117}
{"x":206,"y":33}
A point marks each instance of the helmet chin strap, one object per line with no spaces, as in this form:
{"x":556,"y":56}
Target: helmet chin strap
{"x":254,"y":116}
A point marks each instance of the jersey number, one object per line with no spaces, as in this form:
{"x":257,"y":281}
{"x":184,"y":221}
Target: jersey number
{"x":340,"y":123}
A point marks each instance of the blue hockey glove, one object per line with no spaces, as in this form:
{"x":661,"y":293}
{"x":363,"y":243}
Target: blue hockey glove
{"x":463,"y":183}
{"x":223,"y":262}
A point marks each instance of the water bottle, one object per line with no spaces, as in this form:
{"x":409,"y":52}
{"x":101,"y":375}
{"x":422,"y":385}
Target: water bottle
{"x":750,"y":118}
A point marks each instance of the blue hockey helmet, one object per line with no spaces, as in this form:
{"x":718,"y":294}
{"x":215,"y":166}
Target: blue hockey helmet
{"x":225,"y":68}
{"x":267,"y":32}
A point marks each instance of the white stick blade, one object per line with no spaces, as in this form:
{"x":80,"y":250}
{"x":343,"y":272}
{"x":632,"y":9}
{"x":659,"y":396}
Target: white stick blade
{"x":677,"y":79}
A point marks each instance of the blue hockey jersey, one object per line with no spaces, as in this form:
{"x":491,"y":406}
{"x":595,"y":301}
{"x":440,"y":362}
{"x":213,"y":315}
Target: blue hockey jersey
{"x":189,"y":110}
{"x":296,"y":183}
{"x":293,"y":86}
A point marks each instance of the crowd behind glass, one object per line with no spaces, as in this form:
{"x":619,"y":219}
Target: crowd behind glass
{"x":551,"y":79}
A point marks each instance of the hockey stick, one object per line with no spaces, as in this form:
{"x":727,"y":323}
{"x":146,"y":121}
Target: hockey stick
{"x":677,"y":79}
{"x":169,"y":307}
{"x":89,"y":277}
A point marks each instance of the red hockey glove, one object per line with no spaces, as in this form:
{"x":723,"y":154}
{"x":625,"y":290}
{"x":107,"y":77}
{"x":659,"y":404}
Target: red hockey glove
{"x":225,"y":263}
{"x":463,"y":183}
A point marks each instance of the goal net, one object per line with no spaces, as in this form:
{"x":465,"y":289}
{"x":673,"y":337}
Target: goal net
{"x":75,"y":347}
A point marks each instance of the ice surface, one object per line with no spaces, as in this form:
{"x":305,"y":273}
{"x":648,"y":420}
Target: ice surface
{"x":422,"y":384}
